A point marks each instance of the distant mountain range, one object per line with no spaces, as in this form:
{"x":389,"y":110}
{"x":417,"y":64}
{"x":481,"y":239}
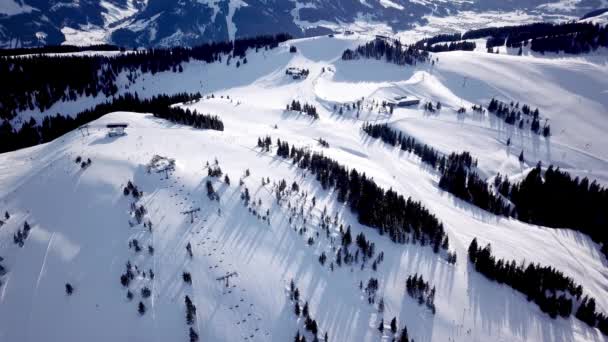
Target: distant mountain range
{"x":132,"y":23}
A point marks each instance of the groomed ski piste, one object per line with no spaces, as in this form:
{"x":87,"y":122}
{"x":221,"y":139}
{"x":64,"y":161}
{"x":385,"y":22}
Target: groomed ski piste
{"x":83,"y":227}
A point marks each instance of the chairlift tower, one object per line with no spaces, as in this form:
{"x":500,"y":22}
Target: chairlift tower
{"x":84,"y":130}
{"x":166,"y":170}
{"x":226,"y":278}
{"x":191,"y":213}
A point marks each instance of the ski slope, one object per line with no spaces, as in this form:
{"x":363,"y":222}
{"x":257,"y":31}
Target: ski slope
{"x":80,"y":217}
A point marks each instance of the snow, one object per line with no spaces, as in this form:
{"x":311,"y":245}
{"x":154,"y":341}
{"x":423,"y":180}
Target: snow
{"x":463,"y":21}
{"x":601,"y":19}
{"x":233,"y":6}
{"x":83,"y":237}
{"x":562,"y":5}
{"x":12,"y":7}
{"x":389,"y":3}
{"x":114,"y":14}
{"x":84,"y":35}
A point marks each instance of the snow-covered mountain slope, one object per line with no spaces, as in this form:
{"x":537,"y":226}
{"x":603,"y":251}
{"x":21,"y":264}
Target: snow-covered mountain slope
{"x":599,"y":17}
{"x":80,"y":217}
{"x":189,"y":22}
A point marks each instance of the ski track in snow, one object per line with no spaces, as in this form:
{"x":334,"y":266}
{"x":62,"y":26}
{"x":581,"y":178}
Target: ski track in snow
{"x":40,"y":274}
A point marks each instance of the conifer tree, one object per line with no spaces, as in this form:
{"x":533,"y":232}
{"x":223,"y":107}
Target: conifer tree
{"x":141,"y":308}
{"x":297,"y":309}
{"x":394,"y":325}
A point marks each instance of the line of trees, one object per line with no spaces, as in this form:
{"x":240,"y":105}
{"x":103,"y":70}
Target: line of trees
{"x":453,"y":46}
{"x":427,"y":154}
{"x":553,"y":199}
{"x":310,"y":323}
{"x":390,"y":50}
{"x":460,"y":179}
{"x":553,"y":292}
{"x":306,"y":108}
{"x":58,"y":49}
{"x":512,"y":114}
{"x":556,"y":199}
{"x":31,"y":133}
{"x":440,"y":38}
{"x":457,"y":170}
{"x":419,"y":289}
{"x":569,"y":37}
{"x":37,"y":82}
{"x":385,"y":210}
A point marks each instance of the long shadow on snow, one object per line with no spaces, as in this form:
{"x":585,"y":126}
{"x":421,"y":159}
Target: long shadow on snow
{"x":363,"y":316}
{"x":500,"y":307}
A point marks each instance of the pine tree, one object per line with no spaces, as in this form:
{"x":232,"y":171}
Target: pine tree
{"x":145,"y":292}
{"x":297,"y":309}
{"x":187,"y":277}
{"x":381,"y":326}
{"x":404,"y":336}
{"x":189,"y":249}
{"x":347,"y":238}
{"x":394,"y":325}
{"x":141,"y":308}
{"x":193,"y":335}
{"x":473,"y":248}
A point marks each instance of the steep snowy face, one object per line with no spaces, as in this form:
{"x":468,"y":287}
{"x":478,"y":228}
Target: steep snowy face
{"x":188,"y":22}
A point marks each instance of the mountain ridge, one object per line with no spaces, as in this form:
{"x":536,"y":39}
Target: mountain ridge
{"x":150,"y":23}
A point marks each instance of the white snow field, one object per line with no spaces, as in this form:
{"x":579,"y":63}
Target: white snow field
{"x":80,"y":217}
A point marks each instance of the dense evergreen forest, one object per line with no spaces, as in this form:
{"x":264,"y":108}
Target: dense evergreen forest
{"x":556,"y":200}
{"x":32,"y":133}
{"x":37,"y":82}
{"x":457,"y":170}
{"x":440,"y":38}
{"x":452,"y":43}
{"x":570,"y":37}
{"x":553,"y":292}
{"x":464,"y":46}
{"x":58,"y":49}
{"x":390,"y":50}
{"x":404,"y":220}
